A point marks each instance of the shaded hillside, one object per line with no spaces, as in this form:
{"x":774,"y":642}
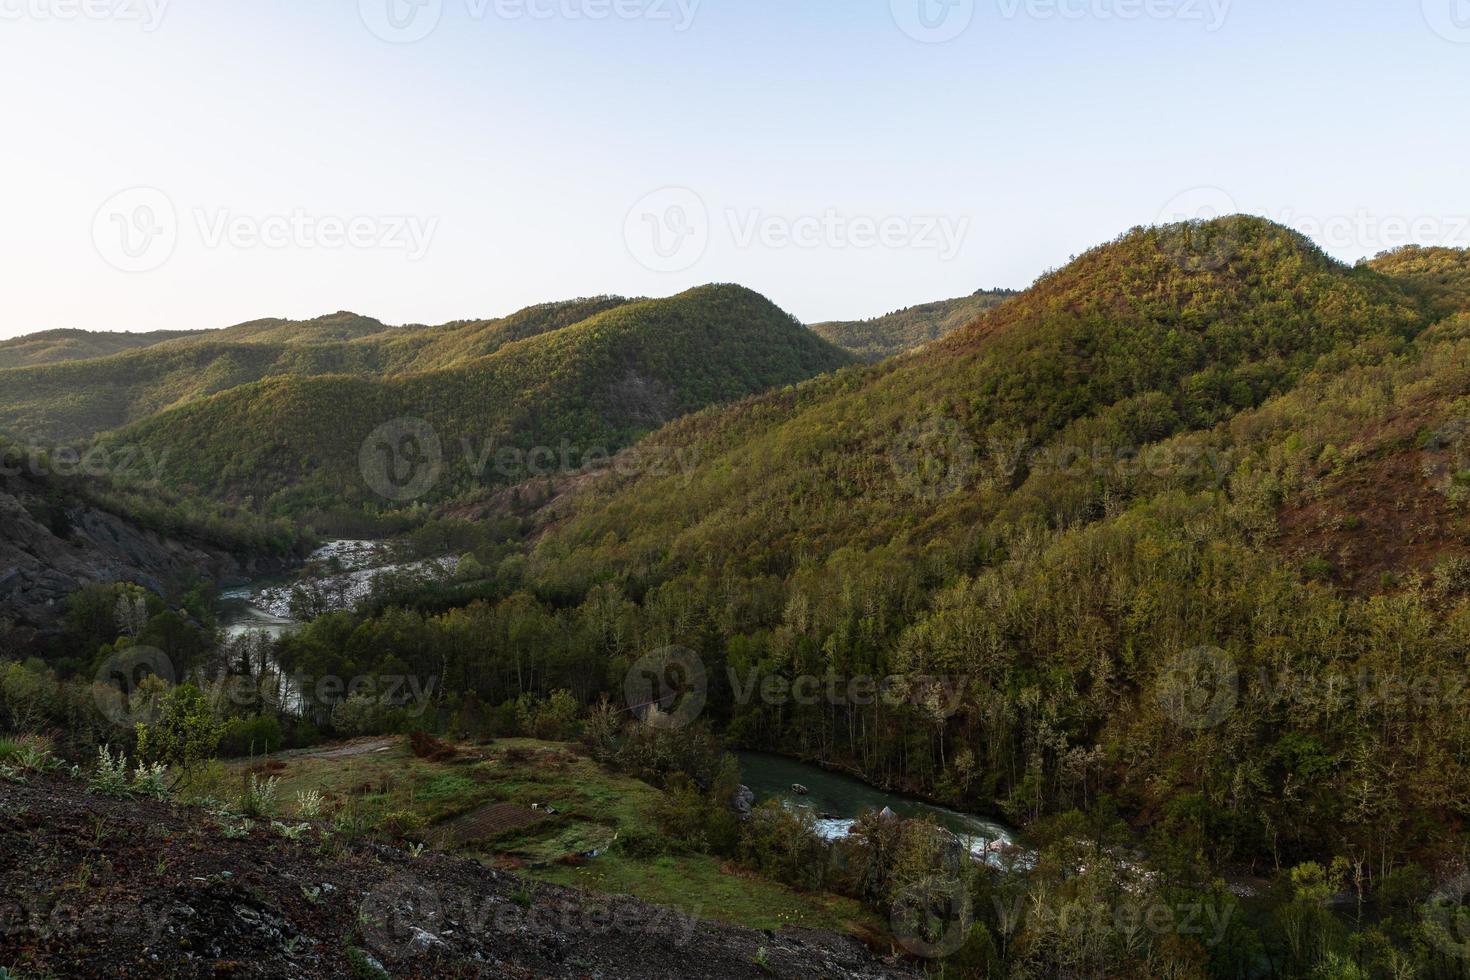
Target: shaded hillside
{"x":72,"y":401}
{"x":64,"y":533}
{"x":160,"y":890}
{"x":884,"y":336}
{"x":54,"y":346}
{"x":579,"y":393}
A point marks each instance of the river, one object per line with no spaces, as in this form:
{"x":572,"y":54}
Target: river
{"x":264,"y":606}
{"x":843,"y":797}
{"x":836,"y":799}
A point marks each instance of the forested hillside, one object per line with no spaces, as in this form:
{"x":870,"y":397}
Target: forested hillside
{"x":559,"y":400}
{"x":903,"y":330}
{"x":1119,"y":467}
{"x":1165,"y":561}
{"x":53,"y":346}
{"x":62,"y":402}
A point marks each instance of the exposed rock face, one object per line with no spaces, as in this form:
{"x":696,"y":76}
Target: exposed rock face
{"x":743,"y":802}
{"x":49,"y":550}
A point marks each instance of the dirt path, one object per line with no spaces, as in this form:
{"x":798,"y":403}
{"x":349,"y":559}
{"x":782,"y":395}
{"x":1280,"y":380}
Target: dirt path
{"x":343,"y":750}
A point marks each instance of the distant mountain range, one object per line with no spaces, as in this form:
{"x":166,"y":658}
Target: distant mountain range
{"x":901,"y":331}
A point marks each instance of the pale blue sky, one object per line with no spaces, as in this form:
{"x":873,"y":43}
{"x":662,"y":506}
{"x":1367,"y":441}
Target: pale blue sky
{"x":496,"y":160}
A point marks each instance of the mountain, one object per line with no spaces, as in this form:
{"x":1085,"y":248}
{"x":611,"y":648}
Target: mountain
{"x":577,"y":392}
{"x":1199,"y":447}
{"x":54,"y":346}
{"x":885,"y":336}
{"x":73,"y":401}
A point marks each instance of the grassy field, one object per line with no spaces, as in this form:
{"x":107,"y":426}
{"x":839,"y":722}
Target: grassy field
{"x":479,"y":803}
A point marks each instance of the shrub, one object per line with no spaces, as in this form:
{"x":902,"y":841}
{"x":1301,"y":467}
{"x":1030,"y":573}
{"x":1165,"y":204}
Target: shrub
{"x":309,"y":804}
{"x":258,"y":798}
{"x":257,"y":735}
{"x":361,"y":714}
{"x":642,"y":842}
{"x":426,"y":746}
{"x":110,"y":777}
{"x":401,"y":824}
{"x":29,"y":752}
{"x":186,"y":734}
{"x":151,"y":780}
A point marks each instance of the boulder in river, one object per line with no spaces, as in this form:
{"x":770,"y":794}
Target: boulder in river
{"x":742,"y":802}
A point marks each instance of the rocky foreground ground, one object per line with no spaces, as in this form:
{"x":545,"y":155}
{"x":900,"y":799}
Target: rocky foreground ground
{"x":96,"y":886}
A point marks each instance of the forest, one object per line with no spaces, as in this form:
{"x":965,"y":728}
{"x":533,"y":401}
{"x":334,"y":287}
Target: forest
{"x":1183,"y":525}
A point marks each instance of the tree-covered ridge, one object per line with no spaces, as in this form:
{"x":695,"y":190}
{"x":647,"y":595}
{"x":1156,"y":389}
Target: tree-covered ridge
{"x":903,"y":330}
{"x":293,"y":445}
{"x":77,"y":399}
{"x":53,"y":346}
{"x":1056,"y":505}
{"x":1128,"y":344}
{"x":1085,"y":512}
{"x":1442,"y":275}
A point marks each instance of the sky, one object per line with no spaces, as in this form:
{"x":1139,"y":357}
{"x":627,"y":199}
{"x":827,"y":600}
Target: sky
{"x":185,"y":164}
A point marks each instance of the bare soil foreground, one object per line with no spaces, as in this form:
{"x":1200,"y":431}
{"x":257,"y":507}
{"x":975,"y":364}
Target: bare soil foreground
{"x":92,"y":886}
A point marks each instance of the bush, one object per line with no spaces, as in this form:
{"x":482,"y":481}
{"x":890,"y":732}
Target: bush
{"x":110,"y":777}
{"x":642,"y":842}
{"x":186,"y":735}
{"x":783,"y":844}
{"x":258,"y":798}
{"x":426,"y":746}
{"x":309,"y":804}
{"x":361,"y":714}
{"x":257,"y":735}
{"x":401,"y":824}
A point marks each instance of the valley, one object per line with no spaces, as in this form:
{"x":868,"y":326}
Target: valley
{"x":1117,"y":578}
